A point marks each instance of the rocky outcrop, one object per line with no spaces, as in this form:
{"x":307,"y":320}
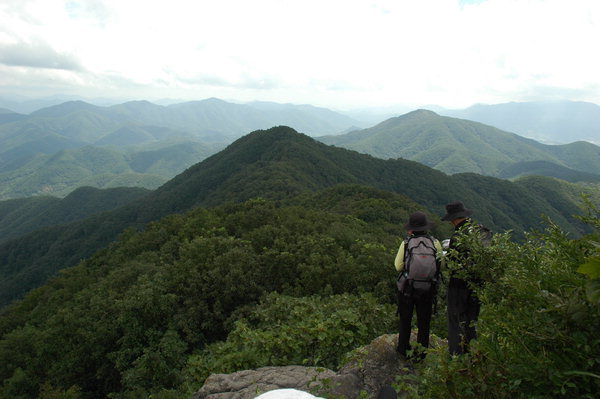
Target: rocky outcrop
{"x":371,"y":368}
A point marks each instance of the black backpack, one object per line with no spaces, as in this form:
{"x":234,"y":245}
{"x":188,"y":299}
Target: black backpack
{"x":421,"y":267}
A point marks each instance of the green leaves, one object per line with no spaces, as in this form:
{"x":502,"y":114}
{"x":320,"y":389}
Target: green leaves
{"x":124,"y":322}
{"x":591,"y":268}
{"x":283,"y":330}
{"x":537,"y":332}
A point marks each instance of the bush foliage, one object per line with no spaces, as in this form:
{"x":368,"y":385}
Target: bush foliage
{"x":124,"y":322}
{"x":285,"y":330}
{"x":261,"y":283}
{"x":538,"y":331}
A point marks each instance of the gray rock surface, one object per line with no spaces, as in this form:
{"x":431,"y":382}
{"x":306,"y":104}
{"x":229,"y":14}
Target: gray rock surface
{"x":370,"y":368}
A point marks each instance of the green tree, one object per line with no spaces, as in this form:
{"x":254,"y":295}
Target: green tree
{"x":283,"y":330}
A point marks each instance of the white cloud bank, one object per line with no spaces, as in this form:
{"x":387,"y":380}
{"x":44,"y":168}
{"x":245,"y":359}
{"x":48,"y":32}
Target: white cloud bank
{"x":325,"y":52}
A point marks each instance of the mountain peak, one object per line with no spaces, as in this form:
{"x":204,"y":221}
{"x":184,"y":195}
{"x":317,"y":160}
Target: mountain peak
{"x":420,"y":113}
{"x":259,"y":140}
{"x":138,"y":105}
{"x":207,"y":102}
{"x":4,"y":111}
{"x":142,"y":103}
{"x":66,"y":108}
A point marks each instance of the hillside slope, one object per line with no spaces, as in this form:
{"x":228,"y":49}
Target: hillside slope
{"x":29,"y":142}
{"x":262,"y":283}
{"x":210,"y":120}
{"x":58,"y":174}
{"x":458,"y":146}
{"x":275,"y":164}
{"x":22,"y":216}
{"x":558,"y":122}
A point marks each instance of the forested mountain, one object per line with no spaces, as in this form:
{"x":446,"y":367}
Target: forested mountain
{"x":547,"y":168}
{"x":456,"y":145}
{"x":208,"y":120}
{"x":178,"y":284}
{"x":21,"y":216}
{"x":558,"y":122}
{"x":58,"y":174}
{"x":265,"y":283}
{"x":32,"y":145}
{"x":277,"y":164}
{"x":7,"y":116}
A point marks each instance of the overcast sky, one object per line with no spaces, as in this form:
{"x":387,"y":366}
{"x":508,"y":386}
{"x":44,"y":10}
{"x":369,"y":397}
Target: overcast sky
{"x":340,"y":54}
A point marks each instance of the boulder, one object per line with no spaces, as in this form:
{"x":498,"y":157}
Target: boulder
{"x":369,"y":369}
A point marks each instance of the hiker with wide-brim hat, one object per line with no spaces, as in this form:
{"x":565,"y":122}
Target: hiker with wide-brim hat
{"x":463,"y":303}
{"x":456,"y":210}
{"x":417,"y":293}
{"x":417,"y":222}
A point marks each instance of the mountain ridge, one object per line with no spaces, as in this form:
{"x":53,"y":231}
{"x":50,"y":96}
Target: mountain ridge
{"x":553,"y":122}
{"x":21,"y":216}
{"x":455,"y":145}
{"x":212,"y":123}
{"x":276,"y":164}
{"x":60,"y":173}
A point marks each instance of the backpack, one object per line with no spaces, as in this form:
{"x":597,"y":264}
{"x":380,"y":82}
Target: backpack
{"x":421,"y":267}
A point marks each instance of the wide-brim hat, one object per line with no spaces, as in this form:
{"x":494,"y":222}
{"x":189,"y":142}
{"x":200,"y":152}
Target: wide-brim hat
{"x":418,"y":222}
{"x":455,"y":210}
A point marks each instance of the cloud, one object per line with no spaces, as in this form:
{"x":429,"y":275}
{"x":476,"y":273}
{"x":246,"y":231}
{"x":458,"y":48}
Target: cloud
{"x":37,"y":54}
{"x":548,"y":92}
{"x":379,"y":52}
{"x":96,"y":12}
{"x":244,"y":80}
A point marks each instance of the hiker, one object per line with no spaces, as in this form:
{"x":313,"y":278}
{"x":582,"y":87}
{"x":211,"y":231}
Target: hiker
{"x":463,"y":303}
{"x":418,"y":263}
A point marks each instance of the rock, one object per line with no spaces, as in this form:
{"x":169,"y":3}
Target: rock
{"x":369,"y":369}
{"x":248,"y":384}
{"x":286,"y":394}
{"x":376,"y":365}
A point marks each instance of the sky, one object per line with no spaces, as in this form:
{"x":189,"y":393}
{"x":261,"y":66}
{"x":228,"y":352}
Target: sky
{"x":340,"y":54}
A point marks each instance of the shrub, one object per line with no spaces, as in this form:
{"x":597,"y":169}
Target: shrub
{"x":283,"y":330}
{"x":538,"y":333}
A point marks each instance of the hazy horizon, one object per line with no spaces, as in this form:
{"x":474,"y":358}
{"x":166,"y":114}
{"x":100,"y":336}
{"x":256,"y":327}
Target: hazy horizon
{"x":335,"y":54}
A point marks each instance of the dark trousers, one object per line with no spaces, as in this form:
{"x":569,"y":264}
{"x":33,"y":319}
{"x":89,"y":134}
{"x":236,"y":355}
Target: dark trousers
{"x":424,"y":308}
{"x":463,"y":311}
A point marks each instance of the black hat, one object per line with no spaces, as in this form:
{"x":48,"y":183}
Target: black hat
{"x":455,"y":210}
{"x":418,"y":222}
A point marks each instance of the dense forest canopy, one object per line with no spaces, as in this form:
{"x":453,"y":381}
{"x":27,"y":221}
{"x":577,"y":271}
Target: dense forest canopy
{"x":278,"y":164}
{"x":158,"y":310}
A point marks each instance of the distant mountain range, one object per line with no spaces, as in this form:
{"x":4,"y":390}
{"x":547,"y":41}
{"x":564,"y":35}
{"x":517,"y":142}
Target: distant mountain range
{"x":456,"y":146}
{"x":557,"y":122}
{"x":56,"y":149}
{"x":58,"y":174}
{"x":59,"y":148}
{"x":280,"y":164}
{"x":208,"y":120}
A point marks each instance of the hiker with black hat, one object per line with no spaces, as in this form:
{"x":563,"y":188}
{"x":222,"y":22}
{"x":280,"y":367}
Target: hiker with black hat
{"x":418,"y":262}
{"x":463,"y":303}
